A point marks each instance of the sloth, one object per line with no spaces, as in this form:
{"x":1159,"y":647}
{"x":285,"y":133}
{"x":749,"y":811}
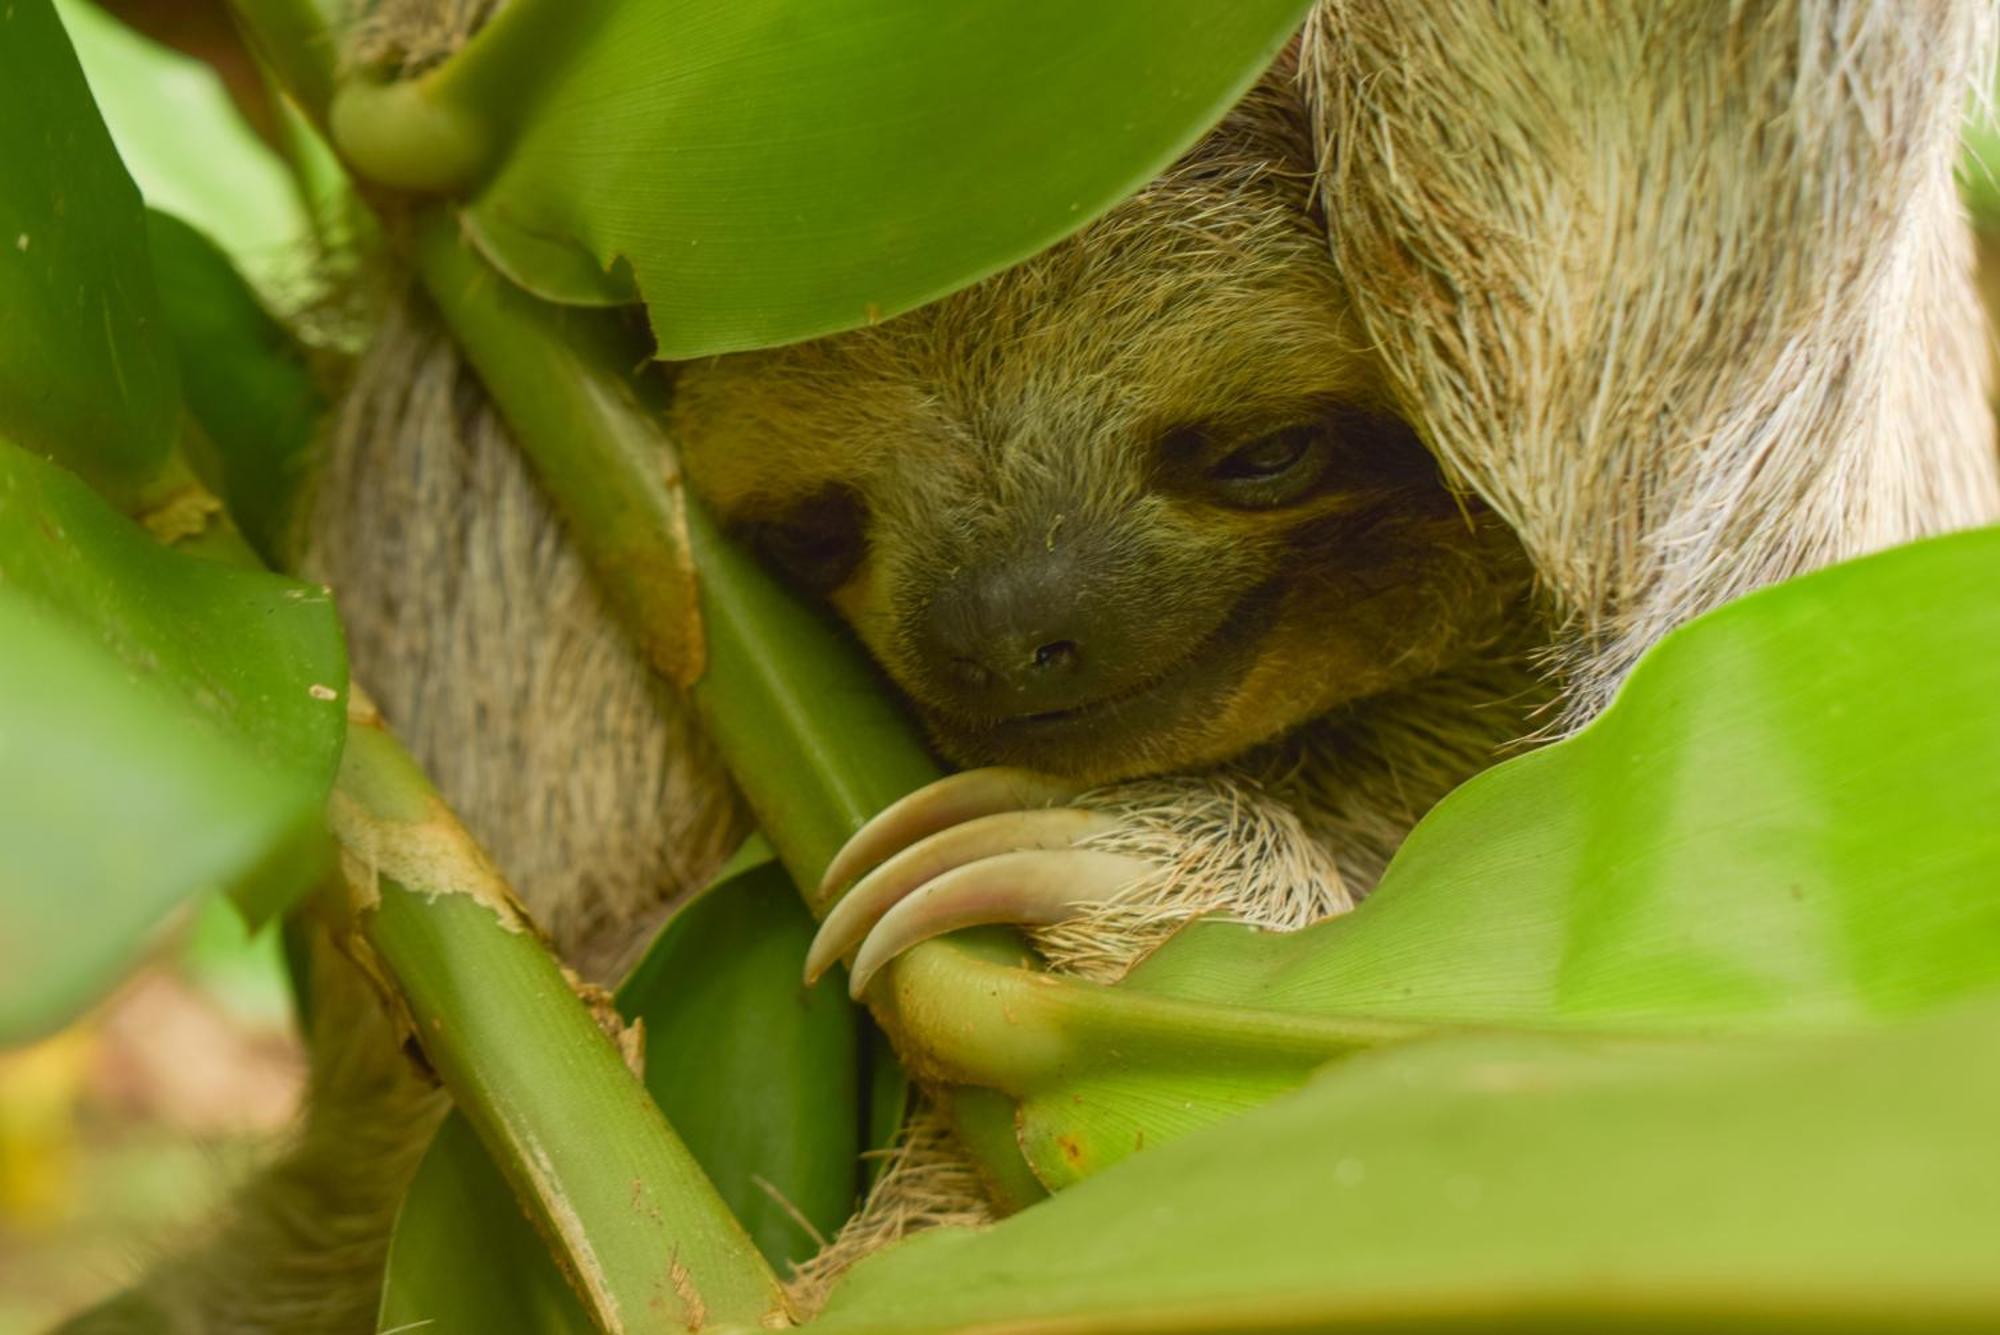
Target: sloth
{"x":1287,"y":476}
{"x":1478,"y":348}
{"x":1137,"y":507}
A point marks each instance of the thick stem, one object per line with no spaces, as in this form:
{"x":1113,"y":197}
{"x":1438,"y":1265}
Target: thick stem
{"x":442,"y":130}
{"x":645,"y":1239}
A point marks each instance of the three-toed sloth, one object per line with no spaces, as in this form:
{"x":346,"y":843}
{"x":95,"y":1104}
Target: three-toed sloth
{"x":1479,"y":346}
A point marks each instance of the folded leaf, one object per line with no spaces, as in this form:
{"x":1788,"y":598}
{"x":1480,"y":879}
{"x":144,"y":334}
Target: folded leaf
{"x":1773,"y":829}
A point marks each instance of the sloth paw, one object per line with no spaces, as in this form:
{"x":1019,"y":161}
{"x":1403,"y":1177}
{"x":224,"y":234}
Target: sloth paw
{"x":986,"y":846}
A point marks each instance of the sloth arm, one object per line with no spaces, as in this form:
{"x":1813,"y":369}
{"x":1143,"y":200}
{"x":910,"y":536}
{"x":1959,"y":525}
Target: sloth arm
{"x":1684,"y":292}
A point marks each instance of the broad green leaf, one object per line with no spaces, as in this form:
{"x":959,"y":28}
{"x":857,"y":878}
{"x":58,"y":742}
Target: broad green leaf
{"x":760,"y":171}
{"x":86,"y":374}
{"x":1783,"y":822}
{"x":756,"y":1072}
{"x":245,"y":380}
{"x":189,"y":151}
{"x":1521,"y":1181}
{"x":170,"y":725}
{"x":1771,"y":830}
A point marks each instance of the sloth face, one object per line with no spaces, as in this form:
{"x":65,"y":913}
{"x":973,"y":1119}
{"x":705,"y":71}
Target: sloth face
{"x":1132,"y":507}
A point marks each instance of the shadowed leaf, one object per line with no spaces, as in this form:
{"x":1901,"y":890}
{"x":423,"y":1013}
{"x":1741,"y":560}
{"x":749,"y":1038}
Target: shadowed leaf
{"x":86,"y":373}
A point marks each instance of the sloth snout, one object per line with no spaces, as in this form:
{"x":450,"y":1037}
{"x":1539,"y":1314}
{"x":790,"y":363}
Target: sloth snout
{"x":1019,"y":636}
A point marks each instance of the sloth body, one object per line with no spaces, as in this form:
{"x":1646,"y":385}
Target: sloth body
{"x":1432,"y":388}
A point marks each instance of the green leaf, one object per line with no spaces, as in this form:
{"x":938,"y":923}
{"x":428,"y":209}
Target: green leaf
{"x":168,"y":725}
{"x":115,"y":806}
{"x":771,"y":171}
{"x":464,"y":1257}
{"x":245,"y":379}
{"x":757,"y":1073}
{"x":1490,"y":1181}
{"x":86,"y":373}
{"x":1778,"y":825}
{"x":189,"y":151}
{"x":1770,"y":831}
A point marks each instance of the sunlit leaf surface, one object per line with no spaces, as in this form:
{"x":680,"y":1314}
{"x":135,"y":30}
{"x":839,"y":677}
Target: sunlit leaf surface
{"x":766,"y":171}
{"x":189,"y":151}
{"x":1783,"y":825}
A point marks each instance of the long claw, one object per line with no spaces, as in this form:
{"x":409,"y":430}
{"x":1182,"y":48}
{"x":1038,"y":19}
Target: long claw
{"x":1036,"y":888}
{"x":956,"y":846}
{"x":938,"y":806}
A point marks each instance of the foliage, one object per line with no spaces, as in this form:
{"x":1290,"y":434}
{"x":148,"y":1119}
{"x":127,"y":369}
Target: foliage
{"x":873,"y":154}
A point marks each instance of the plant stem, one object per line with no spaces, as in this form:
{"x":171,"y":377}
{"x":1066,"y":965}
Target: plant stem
{"x":644,"y":1238}
{"x":442,"y":130}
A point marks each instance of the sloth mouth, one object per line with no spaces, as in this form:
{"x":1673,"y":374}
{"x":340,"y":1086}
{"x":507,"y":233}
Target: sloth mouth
{"x":1132,"y":730}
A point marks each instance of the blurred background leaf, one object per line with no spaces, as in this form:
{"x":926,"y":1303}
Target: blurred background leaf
{"x":86,"y":373}
{"x":169,"y":724}
{"x":190,"y":151}
{"x":246,"y":382}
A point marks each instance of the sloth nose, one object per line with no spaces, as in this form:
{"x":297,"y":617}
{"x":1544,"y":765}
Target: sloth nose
{"x":1010,"y":638}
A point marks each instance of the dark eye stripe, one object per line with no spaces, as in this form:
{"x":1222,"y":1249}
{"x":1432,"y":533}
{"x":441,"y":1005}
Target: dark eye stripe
{"x":817,"y":542}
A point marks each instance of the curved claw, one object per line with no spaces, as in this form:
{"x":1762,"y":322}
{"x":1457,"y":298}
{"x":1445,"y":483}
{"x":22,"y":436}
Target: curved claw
{"x":1036,"y":887}
{"x":956,"y":846}
{"x":939,"y":806}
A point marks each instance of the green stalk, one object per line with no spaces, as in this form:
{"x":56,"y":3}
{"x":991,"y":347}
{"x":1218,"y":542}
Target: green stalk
{"x":440,"y":131}
{"x":645,"y":1240}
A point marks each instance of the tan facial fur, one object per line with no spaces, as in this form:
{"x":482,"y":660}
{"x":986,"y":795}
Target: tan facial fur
{"x":1053,"y":425}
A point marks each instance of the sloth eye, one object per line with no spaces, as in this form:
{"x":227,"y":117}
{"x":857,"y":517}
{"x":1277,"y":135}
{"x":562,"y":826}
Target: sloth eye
{"x":1266,"y":458}
{"x":817,"y":543}
{"x":1271,"y":470}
